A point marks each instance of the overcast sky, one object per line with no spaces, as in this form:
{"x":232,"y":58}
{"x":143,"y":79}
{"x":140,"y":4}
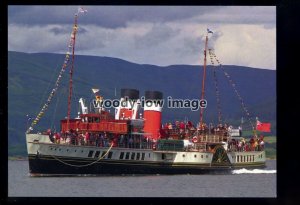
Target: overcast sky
{"x":158,"y":35}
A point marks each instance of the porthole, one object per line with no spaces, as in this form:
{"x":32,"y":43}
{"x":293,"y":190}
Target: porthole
{"x":183,"y":155}
{"x":195,"y":156}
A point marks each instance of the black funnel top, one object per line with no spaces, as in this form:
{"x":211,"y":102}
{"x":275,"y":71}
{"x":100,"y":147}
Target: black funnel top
{"x":130,"y":93}
{"x":152,"y":95}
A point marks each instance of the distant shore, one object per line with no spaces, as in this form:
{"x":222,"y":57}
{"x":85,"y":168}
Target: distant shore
{"x":17,"y":158}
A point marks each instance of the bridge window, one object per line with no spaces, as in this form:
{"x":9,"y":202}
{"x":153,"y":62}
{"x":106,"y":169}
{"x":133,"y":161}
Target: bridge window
{"x":122,"y":155}
{"x":132,"y":155}
{"x":201,"y":156}
{"x":91,"y":152}
{"x":238,"y":158}
{"x":97,"y":154}
{"x":138,"y":156}
{"x":163,"y":156}
{"x":109,"y":155}
{"x":127,"y":155}
{"x":143,"y":156}
{"x":102,"y":155}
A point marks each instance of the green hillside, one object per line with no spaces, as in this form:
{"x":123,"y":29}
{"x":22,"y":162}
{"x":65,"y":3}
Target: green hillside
{"x":31,"y":78}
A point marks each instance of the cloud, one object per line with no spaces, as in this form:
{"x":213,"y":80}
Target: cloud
{"x":158,"y":34}
{"x":248,"y":45}
{"x":119,"y":16}
{"x":105,"y":16}
{"x":150,"y":35}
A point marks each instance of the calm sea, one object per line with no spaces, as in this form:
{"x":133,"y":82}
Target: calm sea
{"x":240,"y":183}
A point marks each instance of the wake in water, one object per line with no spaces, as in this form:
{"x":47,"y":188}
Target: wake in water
{"x":253,"y":171}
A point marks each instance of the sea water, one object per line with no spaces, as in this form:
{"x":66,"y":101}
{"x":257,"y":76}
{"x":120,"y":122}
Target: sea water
{"x":238,"y":183}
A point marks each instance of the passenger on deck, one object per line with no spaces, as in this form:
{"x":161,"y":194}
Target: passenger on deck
{"x":87,"y":138}
{"x":256,"y":144}
{"x":166,"y":126}
{"x":177,"y":124}
{"x":121,"y":141}
{"x":81,"y":139}
{"x":182,"y":125}
{"x":240,"y":146}
{"x":57,"y":137}
{"x":101,"y":140}
{"x":261,"y":145}
{"x":51,"y":136}
{"x":68,"y":137}
{"x":97,"y":139}
{"x":72,"y":137}
{"x":252,"y":146}
{"x":130,"y":142}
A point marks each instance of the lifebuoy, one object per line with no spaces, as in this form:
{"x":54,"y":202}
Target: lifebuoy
{"x":195,"y":139}
{"x":154,"y":146}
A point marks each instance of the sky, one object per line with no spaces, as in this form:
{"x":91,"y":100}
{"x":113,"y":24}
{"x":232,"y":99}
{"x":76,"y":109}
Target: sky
{"x":157,"y":35}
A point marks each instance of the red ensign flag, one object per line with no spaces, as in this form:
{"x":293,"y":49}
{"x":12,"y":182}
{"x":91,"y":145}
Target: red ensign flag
{"x":263,"y":126}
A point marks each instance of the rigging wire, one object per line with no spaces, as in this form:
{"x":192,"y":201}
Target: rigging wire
{"x":216,"y":89}
{"x":233,"y":85}
{"x":63,"y":68}
{"x":84,"y":165}
{"x":48,"y":87}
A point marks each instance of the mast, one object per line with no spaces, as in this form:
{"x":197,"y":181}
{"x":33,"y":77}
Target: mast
{"x":73,"y":38}
{"x":203,"y":80}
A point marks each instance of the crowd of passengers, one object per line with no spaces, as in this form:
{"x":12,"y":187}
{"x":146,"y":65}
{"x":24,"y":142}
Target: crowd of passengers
{"x":100,"y":139}
{"x":254,"y":144}
{"x":219,"y":129}
{"x":104,"y":139}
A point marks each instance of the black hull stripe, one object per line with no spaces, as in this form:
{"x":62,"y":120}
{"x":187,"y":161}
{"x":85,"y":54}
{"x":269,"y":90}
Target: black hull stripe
{"x":49,"y":165}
